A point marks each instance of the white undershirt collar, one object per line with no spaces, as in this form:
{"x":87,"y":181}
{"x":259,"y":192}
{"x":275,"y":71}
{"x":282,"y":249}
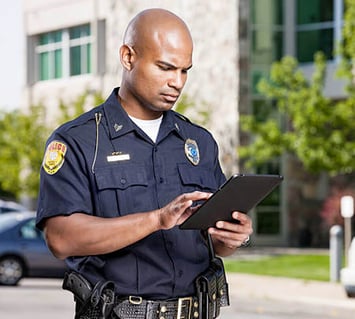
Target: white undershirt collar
{"x":149,"y":127}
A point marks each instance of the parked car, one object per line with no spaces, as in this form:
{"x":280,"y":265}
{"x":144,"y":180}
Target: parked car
{"x":9,"y":206}
{"x":23,"y":251}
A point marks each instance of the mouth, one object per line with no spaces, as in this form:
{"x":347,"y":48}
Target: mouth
{"x":171,"y":98}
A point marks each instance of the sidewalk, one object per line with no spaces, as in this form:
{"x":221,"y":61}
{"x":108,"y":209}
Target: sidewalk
{"x":286,"y":289}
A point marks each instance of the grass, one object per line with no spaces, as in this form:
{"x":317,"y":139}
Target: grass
{"x":308,"y":267}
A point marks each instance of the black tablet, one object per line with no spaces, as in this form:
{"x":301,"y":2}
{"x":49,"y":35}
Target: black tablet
{"x":239,"y":193}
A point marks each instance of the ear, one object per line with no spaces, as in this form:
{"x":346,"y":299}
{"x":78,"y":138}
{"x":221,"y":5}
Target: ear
{"x":127,"y":56}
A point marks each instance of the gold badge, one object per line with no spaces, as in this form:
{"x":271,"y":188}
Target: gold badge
{"x":54,"y":157}
{"x":192,"y":152}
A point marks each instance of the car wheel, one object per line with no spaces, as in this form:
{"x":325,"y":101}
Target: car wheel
{"x":11,"y":271}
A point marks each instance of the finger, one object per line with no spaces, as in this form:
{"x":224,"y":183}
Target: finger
{"x":194,"y":196}
{"x":241,"y":217}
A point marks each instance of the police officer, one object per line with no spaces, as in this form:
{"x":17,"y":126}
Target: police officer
{"x":117,"y":181}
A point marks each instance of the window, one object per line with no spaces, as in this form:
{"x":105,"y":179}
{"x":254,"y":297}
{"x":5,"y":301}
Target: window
{"x":29,"y":231}
{"x":64,"y":53}
{"x":267,"y":37}
{"x":316,"y":28}
{"x":80,"y":50}
{"x":267,"y":46}
{"x":50,"y":55}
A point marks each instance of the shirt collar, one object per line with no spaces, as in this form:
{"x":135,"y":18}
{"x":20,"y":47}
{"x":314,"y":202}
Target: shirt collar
{"x":117,"y":119}
{"x":119,"y":122}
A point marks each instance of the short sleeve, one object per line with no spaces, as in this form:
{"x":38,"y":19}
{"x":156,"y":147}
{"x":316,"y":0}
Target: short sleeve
{"x":64,"y":180}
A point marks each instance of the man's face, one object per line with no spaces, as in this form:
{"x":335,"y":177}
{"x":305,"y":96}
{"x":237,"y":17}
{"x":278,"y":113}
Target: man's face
{"x":159,"y":72}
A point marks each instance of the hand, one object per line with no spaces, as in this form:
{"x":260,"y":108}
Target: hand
{"x":227,"y":236}
{"x":178,"y":210}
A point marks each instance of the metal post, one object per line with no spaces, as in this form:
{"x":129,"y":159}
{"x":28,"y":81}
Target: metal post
{"x":336,"y":252}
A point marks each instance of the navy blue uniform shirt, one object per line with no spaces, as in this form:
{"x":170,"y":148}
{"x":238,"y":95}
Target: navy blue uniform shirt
{"x":102,"y":164}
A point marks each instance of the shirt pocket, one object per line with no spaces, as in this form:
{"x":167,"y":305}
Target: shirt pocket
{"x":197,"y":179}
{"x":122,"y":189}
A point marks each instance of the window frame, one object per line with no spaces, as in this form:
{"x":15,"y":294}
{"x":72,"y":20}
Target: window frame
{"x":65,"y":47}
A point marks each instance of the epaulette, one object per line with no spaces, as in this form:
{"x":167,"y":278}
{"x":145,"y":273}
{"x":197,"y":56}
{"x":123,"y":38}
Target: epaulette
{"x":183,"y":117}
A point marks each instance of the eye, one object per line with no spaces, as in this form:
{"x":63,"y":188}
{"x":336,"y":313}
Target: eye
{"x":165,"y":67}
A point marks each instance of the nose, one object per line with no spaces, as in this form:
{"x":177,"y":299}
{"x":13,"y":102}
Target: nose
{"x":178,"y":80}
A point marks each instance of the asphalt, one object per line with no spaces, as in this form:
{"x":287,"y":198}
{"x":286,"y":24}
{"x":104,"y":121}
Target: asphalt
{"x":287,"y":289}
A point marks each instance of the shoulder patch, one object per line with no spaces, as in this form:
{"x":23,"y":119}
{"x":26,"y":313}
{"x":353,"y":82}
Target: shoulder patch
{"x":54,"y":157}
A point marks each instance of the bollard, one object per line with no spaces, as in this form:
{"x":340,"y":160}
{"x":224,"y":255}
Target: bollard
{"x":336,"y":252}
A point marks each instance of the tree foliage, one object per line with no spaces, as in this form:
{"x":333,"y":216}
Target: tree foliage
{"x":22,"y":142}
{"x":319,"y":131}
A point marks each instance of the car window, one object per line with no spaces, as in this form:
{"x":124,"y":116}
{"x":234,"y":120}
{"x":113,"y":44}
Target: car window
{"x":9,"y":206}
{"x":29,"y":230}
{"x":7,"y":221}
{"x":9,"y":209}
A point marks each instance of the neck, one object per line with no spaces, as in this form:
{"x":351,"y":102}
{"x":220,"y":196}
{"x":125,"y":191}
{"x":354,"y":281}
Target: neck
{"x":133,"y":108}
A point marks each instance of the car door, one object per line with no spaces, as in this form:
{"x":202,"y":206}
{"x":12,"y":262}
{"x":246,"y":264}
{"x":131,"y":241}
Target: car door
{"x":39,"y":259}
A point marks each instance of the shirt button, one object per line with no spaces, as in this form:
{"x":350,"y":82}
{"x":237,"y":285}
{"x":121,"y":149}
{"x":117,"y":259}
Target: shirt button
{"x":123,"y":181}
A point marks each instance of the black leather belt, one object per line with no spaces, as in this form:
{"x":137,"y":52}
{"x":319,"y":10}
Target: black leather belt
{"x":139,"y":308}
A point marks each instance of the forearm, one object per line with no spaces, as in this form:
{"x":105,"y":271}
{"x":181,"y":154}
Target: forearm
{"x":82,"y":235}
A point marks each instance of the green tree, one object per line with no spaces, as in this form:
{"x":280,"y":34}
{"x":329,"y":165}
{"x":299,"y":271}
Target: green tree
{"x":305,"y":123}
{"x":22,"y":142}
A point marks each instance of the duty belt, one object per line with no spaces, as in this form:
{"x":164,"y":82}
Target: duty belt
{"x":139,"y":308}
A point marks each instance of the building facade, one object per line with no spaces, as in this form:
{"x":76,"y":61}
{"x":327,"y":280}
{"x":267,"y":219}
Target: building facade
{"x":72,"y":47}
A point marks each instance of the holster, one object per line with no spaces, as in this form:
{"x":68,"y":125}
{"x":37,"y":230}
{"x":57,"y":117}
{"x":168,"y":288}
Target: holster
{"x":91,"y":301}
{"x":212,"y":287}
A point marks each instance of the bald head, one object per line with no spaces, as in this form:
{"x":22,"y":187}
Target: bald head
{"x":154,"y":27}
{"x":156,"y":55}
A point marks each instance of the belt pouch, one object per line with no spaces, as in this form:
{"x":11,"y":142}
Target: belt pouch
{"x":212,"y":286}
{"x":222,"y":285}
{"x":206,"y":286}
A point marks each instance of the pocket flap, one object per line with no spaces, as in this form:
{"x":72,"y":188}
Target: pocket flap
{"x":197,"y":176}
{"x":120,"y":176}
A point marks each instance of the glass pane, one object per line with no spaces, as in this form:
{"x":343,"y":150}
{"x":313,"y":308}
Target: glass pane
{"x":309,"y":42}
{"x":44,"y":63}
{"x":267,"y":12}
{"x":314,"y":11}
{"x":268,"y":223}
{"x":51,"y":37}
{"x":57,"y":36}
{"x":79,"y":32}
{"x":267,"y":46}
{"x":75,"y":60}
{"x":58,"y":69}
{"x":44,"y":38}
